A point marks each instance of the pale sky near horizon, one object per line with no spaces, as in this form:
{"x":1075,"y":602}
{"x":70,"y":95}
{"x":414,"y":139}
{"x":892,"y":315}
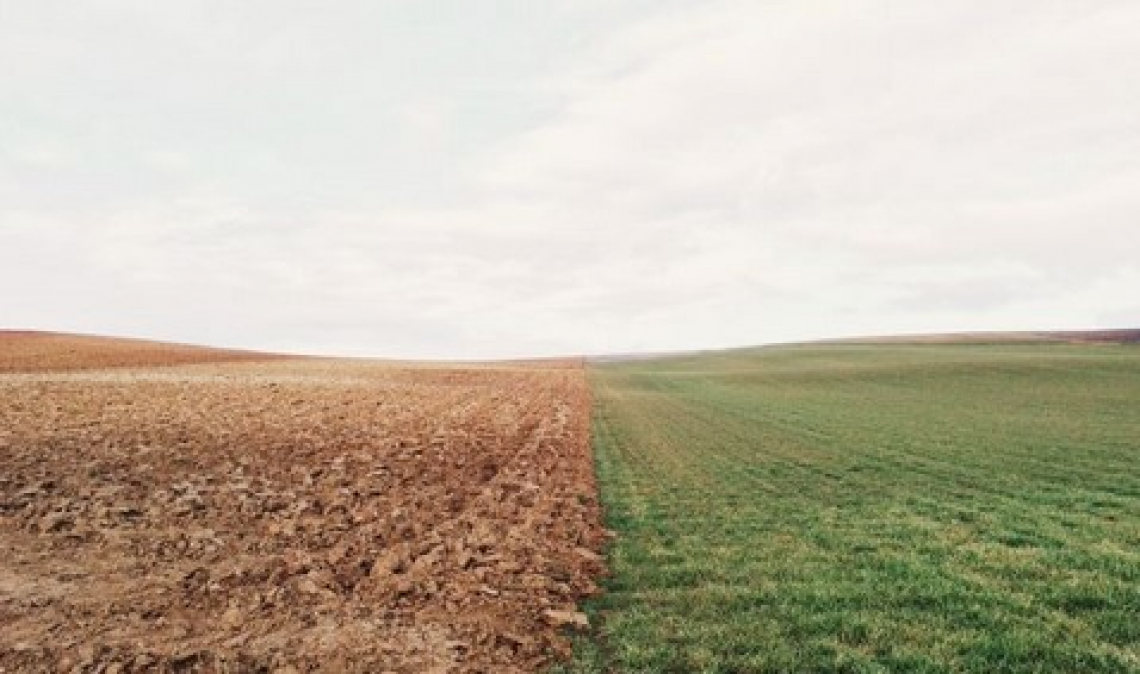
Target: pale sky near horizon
{"x":492,"y":179}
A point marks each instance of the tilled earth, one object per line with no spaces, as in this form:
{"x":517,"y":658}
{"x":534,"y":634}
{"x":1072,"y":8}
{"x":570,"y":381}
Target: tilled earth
{"x":295,"y":515}
{"x":24,"y":351}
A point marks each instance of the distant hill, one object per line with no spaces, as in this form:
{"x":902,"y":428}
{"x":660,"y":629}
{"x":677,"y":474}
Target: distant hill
{"x":1126,"y":336}
{"x":33,"y":351}
{"x":38,"y":351}
{"x":1119,"y":336}
{"x":1115,"y":336}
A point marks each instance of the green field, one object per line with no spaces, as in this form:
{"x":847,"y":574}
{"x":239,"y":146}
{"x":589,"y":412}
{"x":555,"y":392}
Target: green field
{"x":871,"y":508}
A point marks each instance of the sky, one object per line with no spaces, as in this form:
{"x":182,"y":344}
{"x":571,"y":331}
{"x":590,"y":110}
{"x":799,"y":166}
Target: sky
{"x":486,"y":179}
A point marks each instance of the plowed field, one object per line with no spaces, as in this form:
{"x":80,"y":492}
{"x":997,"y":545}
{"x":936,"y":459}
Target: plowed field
{"x":294,"y":515}
{"x":23,"y":351}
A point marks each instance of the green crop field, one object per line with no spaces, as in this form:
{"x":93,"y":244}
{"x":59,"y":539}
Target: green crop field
{"x":871,"y":508}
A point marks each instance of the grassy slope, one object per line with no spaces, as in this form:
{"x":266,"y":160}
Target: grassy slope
{"x":872,"y":508}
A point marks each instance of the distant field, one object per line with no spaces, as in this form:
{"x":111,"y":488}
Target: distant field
{"x":868,"y":508}
{"x":30,"y":351}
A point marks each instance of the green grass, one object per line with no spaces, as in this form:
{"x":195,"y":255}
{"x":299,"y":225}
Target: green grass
{"x":954,"y":508}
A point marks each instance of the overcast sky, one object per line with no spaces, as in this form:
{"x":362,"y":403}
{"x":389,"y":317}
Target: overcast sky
{"x":491,"y":178}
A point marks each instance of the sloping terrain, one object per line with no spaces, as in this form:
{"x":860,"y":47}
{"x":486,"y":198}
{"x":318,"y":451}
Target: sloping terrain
{"x":1124,"y":336}
{"x":294,"y":515}
{"x":871,"y":508}
{"x":1116,"y":336}
{"x":31,"y":351}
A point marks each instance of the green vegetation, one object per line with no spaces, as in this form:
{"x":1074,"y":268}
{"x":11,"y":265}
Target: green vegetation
{"x":871,"y":508}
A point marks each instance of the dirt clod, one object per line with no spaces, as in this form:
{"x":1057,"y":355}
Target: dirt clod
{"x":572,"y":619}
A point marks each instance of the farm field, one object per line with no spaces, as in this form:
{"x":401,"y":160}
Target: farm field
{"x":27,"y":351}
{"x":288,"y":514}
{"x":871,"y":508}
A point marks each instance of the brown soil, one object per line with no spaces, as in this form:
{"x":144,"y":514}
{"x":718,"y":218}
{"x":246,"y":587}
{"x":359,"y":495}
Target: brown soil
{"x":30,"y":351}
{"x":1100,"y":336}
{"x":294,"y":515}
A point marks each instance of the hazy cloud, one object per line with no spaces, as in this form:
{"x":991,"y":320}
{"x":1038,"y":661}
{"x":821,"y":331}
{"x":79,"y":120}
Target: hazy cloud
{"x":474,"y":179}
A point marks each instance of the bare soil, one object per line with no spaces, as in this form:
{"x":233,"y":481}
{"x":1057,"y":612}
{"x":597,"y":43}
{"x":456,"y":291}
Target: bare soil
{"x":31,"y":351}
{"x":294,"y":515}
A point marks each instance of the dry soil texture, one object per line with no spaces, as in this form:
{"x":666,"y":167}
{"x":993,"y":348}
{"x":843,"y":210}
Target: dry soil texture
{"x":293,"y":515}
{"x":29,"y":351}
